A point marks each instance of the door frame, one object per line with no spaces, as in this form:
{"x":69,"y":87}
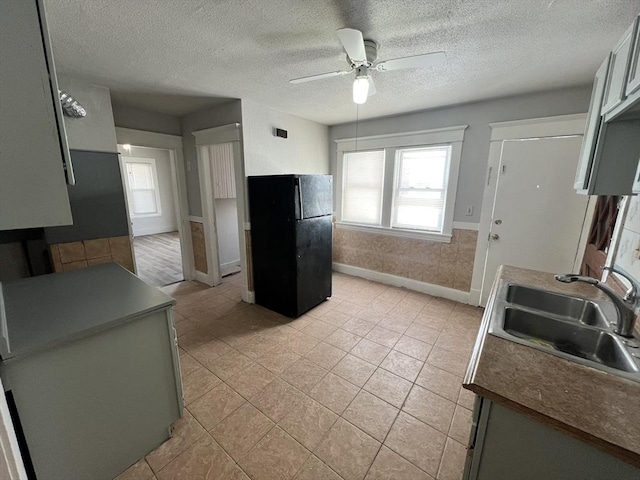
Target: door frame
{"x":230,"y":133}
{"x":563,"y":125}
{"x":172,"y":143}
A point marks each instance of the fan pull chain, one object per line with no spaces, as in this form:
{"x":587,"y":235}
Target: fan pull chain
{"x":357,"y":113}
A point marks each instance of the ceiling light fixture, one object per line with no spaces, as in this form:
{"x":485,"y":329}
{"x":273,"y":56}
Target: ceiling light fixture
{"x":361,"y":86}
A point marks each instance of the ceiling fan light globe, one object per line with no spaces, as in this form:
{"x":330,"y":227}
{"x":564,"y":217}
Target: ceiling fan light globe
{"x":360,"y":90}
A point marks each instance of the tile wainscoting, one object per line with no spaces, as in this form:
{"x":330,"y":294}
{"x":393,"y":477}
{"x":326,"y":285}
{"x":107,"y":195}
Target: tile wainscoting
{"x":199,"y":248}
{"x":74,"y":255}
{"x":446,"y":264}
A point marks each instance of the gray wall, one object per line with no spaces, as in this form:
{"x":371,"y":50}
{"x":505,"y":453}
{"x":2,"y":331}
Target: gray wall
{"x":304,"y":151}
{"x":227,"y":229}
{"x":230,"y":112}
{"x":475,"y":150}
{"x":127,"y":117}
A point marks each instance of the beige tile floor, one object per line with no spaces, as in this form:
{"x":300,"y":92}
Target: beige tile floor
{"x":365,"y":386}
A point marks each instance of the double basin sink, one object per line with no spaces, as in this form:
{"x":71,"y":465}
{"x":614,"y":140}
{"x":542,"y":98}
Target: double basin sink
{"x":566,"y":326}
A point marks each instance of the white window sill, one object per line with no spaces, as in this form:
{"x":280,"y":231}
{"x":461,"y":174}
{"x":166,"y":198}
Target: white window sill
{"x":146,"y":215}
{"x":397,"y":232}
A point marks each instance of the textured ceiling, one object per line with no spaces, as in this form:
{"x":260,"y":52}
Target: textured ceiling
{"x":178,"y":56}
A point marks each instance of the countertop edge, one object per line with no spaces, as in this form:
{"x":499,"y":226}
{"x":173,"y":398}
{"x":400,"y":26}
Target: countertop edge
{"x":11,"y":356}
{"x":48,"y":311}
{"x":470,"y":383}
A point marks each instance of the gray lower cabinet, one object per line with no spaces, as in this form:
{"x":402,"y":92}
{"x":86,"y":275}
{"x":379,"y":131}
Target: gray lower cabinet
{"x":506,"y":445}
{"x":91,"y":407}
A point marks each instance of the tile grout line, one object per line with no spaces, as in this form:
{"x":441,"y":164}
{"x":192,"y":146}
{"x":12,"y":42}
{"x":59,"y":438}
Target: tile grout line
{"x":360,"y":389}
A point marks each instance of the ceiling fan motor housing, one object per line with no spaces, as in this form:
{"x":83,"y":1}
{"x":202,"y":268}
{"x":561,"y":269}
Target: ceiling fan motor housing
{"x":371,"y":50}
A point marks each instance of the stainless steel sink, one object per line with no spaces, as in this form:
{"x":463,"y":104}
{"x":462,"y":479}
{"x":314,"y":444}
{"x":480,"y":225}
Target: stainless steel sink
{"x":569,"y":338}
{"x":573,"y":308}
{"x":566,"y":326}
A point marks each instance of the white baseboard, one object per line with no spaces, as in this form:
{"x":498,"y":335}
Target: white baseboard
{"x":416,"y":285}
{"x":474,"y":297}
{"x":249,"y":296}
{"x":201,"y":277}
{"x":466,"y":226}
{"x":230,"y":264}
{"x":141,"y":232}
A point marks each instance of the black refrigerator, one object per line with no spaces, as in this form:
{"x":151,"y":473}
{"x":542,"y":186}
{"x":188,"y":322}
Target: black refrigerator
{"x":291,"y":222}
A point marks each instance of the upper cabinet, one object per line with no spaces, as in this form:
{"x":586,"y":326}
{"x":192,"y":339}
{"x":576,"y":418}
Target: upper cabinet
{"x":34,"y":158}
{"x":633,"y":81}
{"x":594,"y":121}
{"x":611,"y":143}
{"x":615,"y":89}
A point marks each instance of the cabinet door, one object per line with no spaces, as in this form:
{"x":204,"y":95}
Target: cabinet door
{"x":33,"y":190}
{"x":633,"y":80}
{"x":617,"y":77}
{"x":594,"y":121}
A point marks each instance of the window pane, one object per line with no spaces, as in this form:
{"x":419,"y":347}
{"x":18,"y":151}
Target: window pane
{"x":420,"y":188}
{"x":143,"y":201}
{"x":362,"y":187}
{"x":140,"y":175}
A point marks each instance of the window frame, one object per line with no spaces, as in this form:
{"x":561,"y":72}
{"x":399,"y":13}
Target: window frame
{"x":391,"y":144}
{"x":156,"y":187}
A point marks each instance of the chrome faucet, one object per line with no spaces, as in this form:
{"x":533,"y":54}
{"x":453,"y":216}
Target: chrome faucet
{"x":626,"y":307}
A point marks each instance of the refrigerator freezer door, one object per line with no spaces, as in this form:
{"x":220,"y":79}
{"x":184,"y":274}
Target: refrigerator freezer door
{"x":313,"y":262}
{"x":314,"y":196}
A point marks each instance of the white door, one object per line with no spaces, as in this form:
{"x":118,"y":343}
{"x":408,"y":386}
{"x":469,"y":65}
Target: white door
{"x":537,"y":216}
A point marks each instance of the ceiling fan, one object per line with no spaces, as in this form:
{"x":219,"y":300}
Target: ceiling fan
{"x":362,"y":55}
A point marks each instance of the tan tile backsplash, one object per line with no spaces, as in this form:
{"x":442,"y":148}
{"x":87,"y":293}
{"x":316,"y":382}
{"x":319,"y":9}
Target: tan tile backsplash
{"x":74,"y":255}
{"x":199,"y":249}
{"x":446,"y":264}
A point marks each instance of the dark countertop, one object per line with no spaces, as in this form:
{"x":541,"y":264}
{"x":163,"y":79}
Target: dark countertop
{"x":597,"y":407}
{"x":48,"y":310}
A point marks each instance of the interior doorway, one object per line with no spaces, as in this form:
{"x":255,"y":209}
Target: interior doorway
{"x":152,"y":199}
{"x":222,"y":171}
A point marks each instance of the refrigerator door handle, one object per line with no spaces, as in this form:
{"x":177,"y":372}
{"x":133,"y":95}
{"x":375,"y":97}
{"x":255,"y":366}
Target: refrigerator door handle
{"x":299,"y":185}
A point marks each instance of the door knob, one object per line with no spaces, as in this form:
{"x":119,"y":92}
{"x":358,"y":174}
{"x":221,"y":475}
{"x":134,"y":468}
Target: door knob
{"x":495,"y":236}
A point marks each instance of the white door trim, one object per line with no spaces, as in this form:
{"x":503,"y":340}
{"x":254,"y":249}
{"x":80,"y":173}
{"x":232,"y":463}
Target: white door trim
{"x":173,"y":143}
{"x":212,"y":277}
{"x":216,"y":135}
{"x":231,"y":133}
{"x":539,"y":127}
{"x":522,"y":129}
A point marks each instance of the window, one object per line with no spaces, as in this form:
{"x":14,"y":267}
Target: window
{"x":142,"y":186}
{"x":363,"y":184}
{"x":400,"y":184}
{"x":420,"y":188}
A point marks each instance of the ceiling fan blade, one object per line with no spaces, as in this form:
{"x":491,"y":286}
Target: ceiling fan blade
{"x":353,"y":44}
{"x":372,"y":87}
{"x":311,"y":78}
{"x":416,"y":61}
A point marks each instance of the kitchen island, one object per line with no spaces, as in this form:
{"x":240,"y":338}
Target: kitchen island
{"x":541,"y":416}
{"x":90,"y":363}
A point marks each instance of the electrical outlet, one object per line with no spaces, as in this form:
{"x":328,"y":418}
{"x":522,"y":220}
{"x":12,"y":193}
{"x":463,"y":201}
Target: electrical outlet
{"x":469,"y":211}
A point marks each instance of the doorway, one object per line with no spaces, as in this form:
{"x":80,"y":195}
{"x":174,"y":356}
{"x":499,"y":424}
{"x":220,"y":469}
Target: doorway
{"x":152,"y":199}
{"x":222,"y":194}
{"x":533,"y":218}
{"x":222,"y":170}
